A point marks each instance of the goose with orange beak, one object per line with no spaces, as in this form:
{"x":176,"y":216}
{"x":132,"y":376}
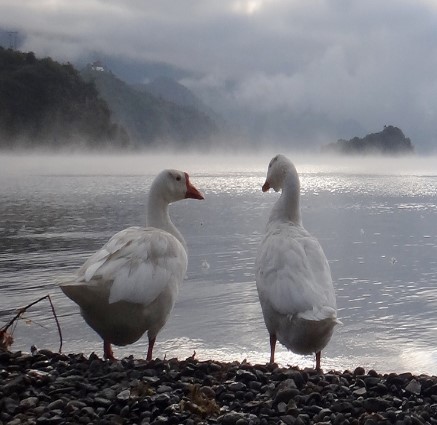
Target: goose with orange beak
{"x":293,"y":277}
{"x":130,"y":285}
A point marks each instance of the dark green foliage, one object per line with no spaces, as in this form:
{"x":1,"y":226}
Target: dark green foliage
{"x":45,"y":103}
{"x":390,"y":141}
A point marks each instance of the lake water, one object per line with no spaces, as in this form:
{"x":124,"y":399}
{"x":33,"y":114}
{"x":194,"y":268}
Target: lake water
{"x":376,"y":220}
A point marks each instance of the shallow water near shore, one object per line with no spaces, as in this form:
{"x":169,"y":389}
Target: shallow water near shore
{"x":376,"y":221}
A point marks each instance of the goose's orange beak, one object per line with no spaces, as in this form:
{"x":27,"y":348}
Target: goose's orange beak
{"x":192,"y":192}
{"x":266,"y":186}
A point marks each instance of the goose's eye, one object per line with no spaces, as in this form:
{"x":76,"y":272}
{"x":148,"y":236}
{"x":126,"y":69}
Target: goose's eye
{"x":178,"y":178}
{"x":273,"y":161}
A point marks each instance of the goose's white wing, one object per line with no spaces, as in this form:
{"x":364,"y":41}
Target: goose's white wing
{"x":293,"y":275}
{"x":135,"y":265}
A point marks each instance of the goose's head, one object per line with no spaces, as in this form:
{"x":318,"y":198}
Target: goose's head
{"x":175,"y":185}
{"x":278,"y":169}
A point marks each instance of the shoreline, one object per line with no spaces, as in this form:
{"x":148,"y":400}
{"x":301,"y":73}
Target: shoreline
{"x":51,"y":388}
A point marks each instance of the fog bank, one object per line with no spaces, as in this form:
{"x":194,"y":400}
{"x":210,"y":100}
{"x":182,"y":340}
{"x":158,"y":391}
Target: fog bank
{"x":151,"y":163}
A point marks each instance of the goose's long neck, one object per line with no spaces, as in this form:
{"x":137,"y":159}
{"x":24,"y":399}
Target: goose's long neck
{"x":158,"y":216}
{"x":287,"y":208}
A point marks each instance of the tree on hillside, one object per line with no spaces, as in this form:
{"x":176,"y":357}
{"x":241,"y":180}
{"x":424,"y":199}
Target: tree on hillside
{"x":43,"y":102}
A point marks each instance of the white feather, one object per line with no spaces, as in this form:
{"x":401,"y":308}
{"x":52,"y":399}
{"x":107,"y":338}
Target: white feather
{"x":92,"y":269}
{"x":292,"y":271}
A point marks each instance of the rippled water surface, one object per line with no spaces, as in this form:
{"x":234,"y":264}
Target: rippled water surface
{"x":379,"y":232}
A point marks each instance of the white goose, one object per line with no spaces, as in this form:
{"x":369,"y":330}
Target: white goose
{"x":292,"y":274}
{"x":130,"y":285}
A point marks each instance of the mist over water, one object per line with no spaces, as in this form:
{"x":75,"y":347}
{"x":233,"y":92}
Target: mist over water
{"x":194,"y":162}
{"x":375,"y":218}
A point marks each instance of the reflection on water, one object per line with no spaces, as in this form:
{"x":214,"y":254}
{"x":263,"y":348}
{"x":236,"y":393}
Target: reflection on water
{"x":378,"y":232}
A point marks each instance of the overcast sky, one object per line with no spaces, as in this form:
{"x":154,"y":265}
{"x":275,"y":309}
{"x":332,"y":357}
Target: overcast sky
{"x":353,"y":65}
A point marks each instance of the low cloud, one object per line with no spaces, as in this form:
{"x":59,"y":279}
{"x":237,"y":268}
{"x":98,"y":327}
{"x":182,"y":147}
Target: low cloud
{"x":332,"y":66}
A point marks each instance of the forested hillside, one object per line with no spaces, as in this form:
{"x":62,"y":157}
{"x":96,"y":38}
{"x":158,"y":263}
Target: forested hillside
{"x":45,"y":103}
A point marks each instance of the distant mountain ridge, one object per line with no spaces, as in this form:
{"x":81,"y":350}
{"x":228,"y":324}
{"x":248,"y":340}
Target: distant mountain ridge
{"x":390,"y":141}
{"x":135,"y":71}
{"x":170,"y":90}
{"x":148,"y":116}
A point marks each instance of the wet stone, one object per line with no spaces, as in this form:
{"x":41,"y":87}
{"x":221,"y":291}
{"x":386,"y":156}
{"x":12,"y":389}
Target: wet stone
{"x":163,"y":389}
{"x":104,"y":402}
{"x":376,"y":404}
{"x":208,"y":391}
{"x":414,"y":387}
{"x":229,"y":418}
{"x":288,"y":420}
{"x":29,"y":402}
{"x":57,"y":404}
{"x":246,"y":376}
{"x":237,"y":386}
{"x":360,"y":392}
{"x":342,"y":406}
{"x":371,"y":381}
{"x":286,"y":395}
{"x":282,"y":407}
{"x":124,"y":395}
{"x":162,"y":400}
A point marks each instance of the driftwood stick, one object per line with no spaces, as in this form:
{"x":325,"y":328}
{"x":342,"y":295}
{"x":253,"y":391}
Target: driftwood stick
{"x":57,"y":323}
{"x":22,"y":310}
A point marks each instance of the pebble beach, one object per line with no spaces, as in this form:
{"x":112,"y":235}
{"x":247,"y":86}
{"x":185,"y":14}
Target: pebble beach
{"x":52,"y":388}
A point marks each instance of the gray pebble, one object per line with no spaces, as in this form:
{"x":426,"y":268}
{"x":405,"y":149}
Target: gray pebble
{"x":29,"y":402}
{"x":414,"y":387}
